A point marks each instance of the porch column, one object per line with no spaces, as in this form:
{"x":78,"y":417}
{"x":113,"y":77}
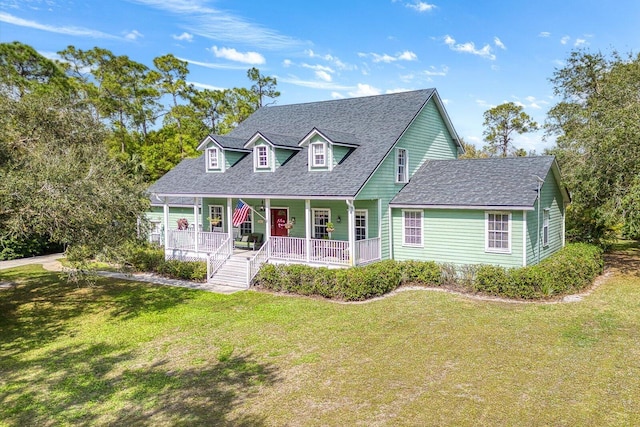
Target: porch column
{"x":380,"y":228}
{"x":230,"y":218}
{"x":165,"y":219}
{"x":307,"y":227}
{"x":351,"y":214}
{"x":267,"y":219}
{"x":195,"y":224}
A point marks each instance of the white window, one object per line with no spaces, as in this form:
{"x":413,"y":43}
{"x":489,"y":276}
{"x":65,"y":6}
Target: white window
{"x":412,"y":228}
{"x":402,"y":170}
{"x":247,"y":226}
{"x":318,"y":155}
{"x":262,"y":156}
{"x":216,"y":217}
{"x":361,"y":224}
{"x":320,"y":219}
{"x":498,"y":231}
{"x":545,"y":227}
{"x":213,"y":156}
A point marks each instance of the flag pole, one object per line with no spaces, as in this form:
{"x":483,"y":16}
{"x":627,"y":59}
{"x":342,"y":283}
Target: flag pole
{"x":256,"y":212}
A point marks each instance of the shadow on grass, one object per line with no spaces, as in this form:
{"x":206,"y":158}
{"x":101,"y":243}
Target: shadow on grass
{"x":41,"y":305}
{"x":624,"y":257}
{"x":88,"y":385}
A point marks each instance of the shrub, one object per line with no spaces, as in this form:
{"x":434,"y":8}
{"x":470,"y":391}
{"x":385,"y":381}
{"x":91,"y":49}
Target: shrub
{"x":422,"y":272}
{"x":185,"y":270}
{"x":268,"y":277}
{"x":144,"y":257}
{"x":360,"y":283}
{"x":491,"y":279}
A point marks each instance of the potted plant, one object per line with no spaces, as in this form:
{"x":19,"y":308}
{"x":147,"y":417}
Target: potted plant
{"x":288,"y":225}
{"x":215,"y":221}
{"x":330,"y":227}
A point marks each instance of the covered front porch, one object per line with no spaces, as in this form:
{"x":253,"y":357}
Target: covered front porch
{"x":325,"y":232}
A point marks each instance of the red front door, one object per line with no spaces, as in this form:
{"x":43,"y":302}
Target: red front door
{"x":278,"y":220}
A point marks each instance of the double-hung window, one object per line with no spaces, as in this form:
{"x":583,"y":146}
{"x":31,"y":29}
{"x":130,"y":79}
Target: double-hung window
{"x":262,"y":156}
{"x":320,"y":219}
{"x":361,"y":224}
{"x":318,"y":155}
{"x":402,"y":168}
{"x":216,"y":217}
{"x":412,"y":228}
{"x":498,"y":232}
{"x":214,"y":158}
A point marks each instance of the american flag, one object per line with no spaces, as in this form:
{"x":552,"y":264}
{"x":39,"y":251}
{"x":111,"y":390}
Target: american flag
{"x":240,"y":214}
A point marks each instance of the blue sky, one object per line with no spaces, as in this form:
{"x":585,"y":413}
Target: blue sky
{"x":478,"y":54}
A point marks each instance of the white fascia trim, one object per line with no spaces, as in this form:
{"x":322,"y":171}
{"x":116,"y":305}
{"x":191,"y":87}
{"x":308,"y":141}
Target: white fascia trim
{"x":470,"y":207}
{"x":255,"y":138}
{"x":255,"y":196}
{"x":206,"y":142}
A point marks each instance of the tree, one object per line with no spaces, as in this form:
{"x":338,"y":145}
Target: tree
{"x":501,"y":123}
{"x":263,"y":86}
{"x":597,"y":130}
{"x":58,"y":179}
{"x":471,"y":152}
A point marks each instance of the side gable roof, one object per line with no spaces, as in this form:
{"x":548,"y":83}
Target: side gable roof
{"x":477,"y":183}
{"x":281,"y":141}
{"x":225,"y":142}
{"x":376,"y":122}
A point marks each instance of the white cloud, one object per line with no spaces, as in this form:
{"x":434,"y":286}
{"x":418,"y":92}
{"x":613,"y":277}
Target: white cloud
{"x":222,"y":26}
{"x":420,"y":6}
{"x":407,"y":78}
{"x":313,"y":84}
{"x":133,"y":35}
{"x":469,"y":47}
{"x":544,"y":34}
{"x":484,"y":104}
{"x":330,"y":58}
{"x":214,"y":66}
{"x":323,"y":75}
{"x":70,"y":31}
{"x":364,"y":90}
{"x":206,"y":86}
{"x":406,"y":55}
{"x":184,"y":37}
{"x":318,"y":67}
{"x":433,"y":71}
{"x":580,"y":42}
{"x":397,"y":90}
{"x":565,"y":39}
{"x":231,"y":54}
{"x":286,"y":63}
{"x":499,"y":43}
{"x":337,"y":95}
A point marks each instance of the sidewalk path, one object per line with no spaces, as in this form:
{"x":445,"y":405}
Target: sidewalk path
{"x":51,"y":263}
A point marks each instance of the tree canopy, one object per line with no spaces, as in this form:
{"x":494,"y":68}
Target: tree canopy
{"x":597,"y":130}
{"x":501,"y":123}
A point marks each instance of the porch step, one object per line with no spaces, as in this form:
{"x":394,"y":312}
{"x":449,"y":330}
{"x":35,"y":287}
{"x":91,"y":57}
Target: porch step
{"x":232,"y":273}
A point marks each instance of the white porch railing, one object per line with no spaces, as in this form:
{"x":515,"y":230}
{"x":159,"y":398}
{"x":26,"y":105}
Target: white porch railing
{"x":218,"y":257}
{"x":289,"y":248}
{"x":330,"y":251}
{"x":253,"y":265}
{"x":185,"y":240}
{"x":367,"y":250}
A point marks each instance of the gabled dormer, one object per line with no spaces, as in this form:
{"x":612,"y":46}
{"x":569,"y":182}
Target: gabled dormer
{"x":222,"y":152}
{"x":327,"y":148}
{"x":270,"y":151}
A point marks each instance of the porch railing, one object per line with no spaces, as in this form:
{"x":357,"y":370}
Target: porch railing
{"x":210,"y":241}
{"x":254,"y":263}
{"x":289,"y":248}
{"x":367,"y":250}
{"x":330,"y":251}
{"x":185,"y":240}
{"x":218,"y":257}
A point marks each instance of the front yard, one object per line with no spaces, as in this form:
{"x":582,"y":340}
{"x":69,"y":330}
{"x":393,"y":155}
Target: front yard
{"x":124,"y":353}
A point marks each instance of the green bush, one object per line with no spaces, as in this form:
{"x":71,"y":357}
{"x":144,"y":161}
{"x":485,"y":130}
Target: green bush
{"x":268,"y":277}
{"x":491,"y":279}
{"x":144,"y":257}
{"x":422,"y":272}
{"x":185,"y":270}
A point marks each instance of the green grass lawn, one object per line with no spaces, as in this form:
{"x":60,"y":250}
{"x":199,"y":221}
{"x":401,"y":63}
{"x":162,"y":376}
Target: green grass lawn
{"x":126,"y":353}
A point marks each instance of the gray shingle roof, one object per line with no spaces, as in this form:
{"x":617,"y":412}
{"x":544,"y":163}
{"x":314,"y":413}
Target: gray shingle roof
{"x":507,"y":182}
{"x":377,"y":122}
{"x":229,"y":142}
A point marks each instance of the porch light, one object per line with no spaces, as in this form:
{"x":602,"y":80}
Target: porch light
{"x":339,"y":220}
{"x":293,"y":220}
{"x":262,"y":206}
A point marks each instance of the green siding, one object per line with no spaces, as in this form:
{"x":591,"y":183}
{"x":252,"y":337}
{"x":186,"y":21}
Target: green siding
{"x":232,"y":157}
{"x":282,"y":155}
{"x":156,"y":213}
{"x":457,"y":236}
{"x":551,"y":198}
{"x":339,"y":152}
{"x":426,"y":138}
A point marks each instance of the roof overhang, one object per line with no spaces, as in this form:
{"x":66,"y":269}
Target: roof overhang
{"x":255,"y":196}
{"x":315,"y":131}
{"x":459,"y":207}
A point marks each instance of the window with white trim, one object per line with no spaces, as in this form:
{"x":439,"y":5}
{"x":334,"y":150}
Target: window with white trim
{"x":318,"y":154}
{"x":402,"y":162}
{"x":412,"y":228}
{"x":361,"y":224}
{"x":320,"y":219}
{"x":247,"y":226}
{"x":262,"y":156}
{"x":216,"y":217}
{"x":213,"y":155}
{"x":498,"y":231}
{"x":545,"y":227}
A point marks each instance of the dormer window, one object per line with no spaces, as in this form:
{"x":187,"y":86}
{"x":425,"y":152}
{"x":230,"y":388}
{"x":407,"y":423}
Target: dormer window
{"x":319,"y":154}
{"x":262,"y":156}
{"x":213,"y":156}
